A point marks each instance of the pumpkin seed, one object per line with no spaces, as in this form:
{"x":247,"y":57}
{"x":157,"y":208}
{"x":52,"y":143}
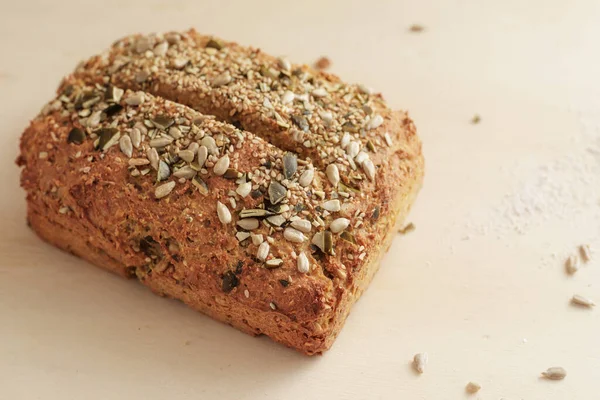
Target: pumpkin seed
{"x":231,"y":174}
{"x":113,"y":94}
{"x":348,"y":237}
{"x":349,"y":127}
{"x":112,"y":110}
{"x":301,"y":122}
{"x":255,"y":212}
{"x":162,"y":121}
{"x":230,"y":281}
{"x":277,"y":192}
{"x":214,"y":44}
{"x":274,"y":263}
{"x":76,"y":136}
{"x":164,"y":189}
{"x":200,"y":184}
{"x":290,"y":165}
{"x":107,"y":138}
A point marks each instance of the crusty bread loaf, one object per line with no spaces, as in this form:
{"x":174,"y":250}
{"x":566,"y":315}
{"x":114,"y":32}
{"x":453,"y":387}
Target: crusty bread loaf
{"x":258,"y":192}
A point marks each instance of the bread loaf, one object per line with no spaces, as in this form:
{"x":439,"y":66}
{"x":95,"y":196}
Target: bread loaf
{"x":259,"y":192}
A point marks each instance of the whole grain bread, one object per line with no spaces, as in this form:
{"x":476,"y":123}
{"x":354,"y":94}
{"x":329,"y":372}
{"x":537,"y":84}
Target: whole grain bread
{"x":259,"y":192}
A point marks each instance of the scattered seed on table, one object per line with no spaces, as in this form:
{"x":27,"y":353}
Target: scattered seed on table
{"x":555,"y":373}
{"x":476,"y":119}
{"x":572,"y":264}
{"x":419,"y":362}
{"x":323,"y":63}
{"x":582,"y":301}
{"x":585,"y":252}
{"x":416,"y":28}
{"x":407,"y":229}
{"x":473,"y":387}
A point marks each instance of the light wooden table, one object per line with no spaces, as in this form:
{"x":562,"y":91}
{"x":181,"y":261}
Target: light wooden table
{"x":480,"y":284}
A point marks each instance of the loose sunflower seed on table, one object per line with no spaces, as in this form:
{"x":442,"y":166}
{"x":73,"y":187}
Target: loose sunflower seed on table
{"x":420,"y":361}
{"x":572,"y":264}
{"x":582,"y":301}
{"x":555,"y":373}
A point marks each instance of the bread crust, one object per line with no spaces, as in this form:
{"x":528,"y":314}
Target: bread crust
{"x":100,"y":195}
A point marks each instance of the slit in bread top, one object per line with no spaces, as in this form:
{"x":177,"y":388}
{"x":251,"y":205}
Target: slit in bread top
{"x":294,"y":107}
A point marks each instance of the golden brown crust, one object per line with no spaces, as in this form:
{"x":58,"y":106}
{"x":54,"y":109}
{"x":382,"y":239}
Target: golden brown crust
{"x":90,"y":175}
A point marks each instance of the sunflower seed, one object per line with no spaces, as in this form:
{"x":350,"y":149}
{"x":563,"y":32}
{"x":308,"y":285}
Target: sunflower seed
{"x":160,"y":50}
{"x":374,"y":122}
{"x":473,"y":387}
{"x":276,"y":220}
{"x":290,"y":165}
{"x":126,"y":145}
{"x":152,"y":157}
{"x":175,"y":133}
{"x":256,"y":238}
{"x":339,"y":225}
{"x":555,"y":373}
{"x":215,"y":44}
{"x":369,"y":169}
{"x":135,"y":99}
{"x":223,"y":213}
{"x":572,"y":264}
{"x":277,"y":192}
{"x":186,"y":155}
{"x":141,"y":76}
{"x":582,"y":301}
{"x":361,"y":157}
{"x":179,"y":63}
{"x":345,"y":140}
{"x":319,"y":241}
{"x":136,"y":137}
{"x":76,"y":136}
{"x":287,"y":97}
{"x":326,"y":116}
{"x":241,"y":236}
{"x":221,"y":165}
{"x":244,"y":189}
{"x":248,"y":223}
{"x":307,"y":177}
{"x":210,"y":145}
{"x":274,"y":263}
{"x":319,"y":92}
{"x":163,"y":171}
{"x":186,"y":172}
{"x":353,"y":149}
{"x":263,"y":251}
{"x":136,"y":162}
{"x":94,"y":120}
{"x":388,"y":139}
{"x":303,"y":264}
{"x":113,"y":94}
{"x":419,"y":362}
{"x":364,"y":89}
{"x":333,"y":174}
{"x":162,"y":141}
{"x":255,"y":212}
{"x":293,"y":235}
{"x":164,"y":189}
{"x":202,"y":156}
{"x":200,"y":185}
{"x":586,"y":254}
{"x":302,"y":225}
{"x":142,"y":44}
{"x":332,"y":205}
{"x":284,"y":64}
{"x":220,"y":80}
